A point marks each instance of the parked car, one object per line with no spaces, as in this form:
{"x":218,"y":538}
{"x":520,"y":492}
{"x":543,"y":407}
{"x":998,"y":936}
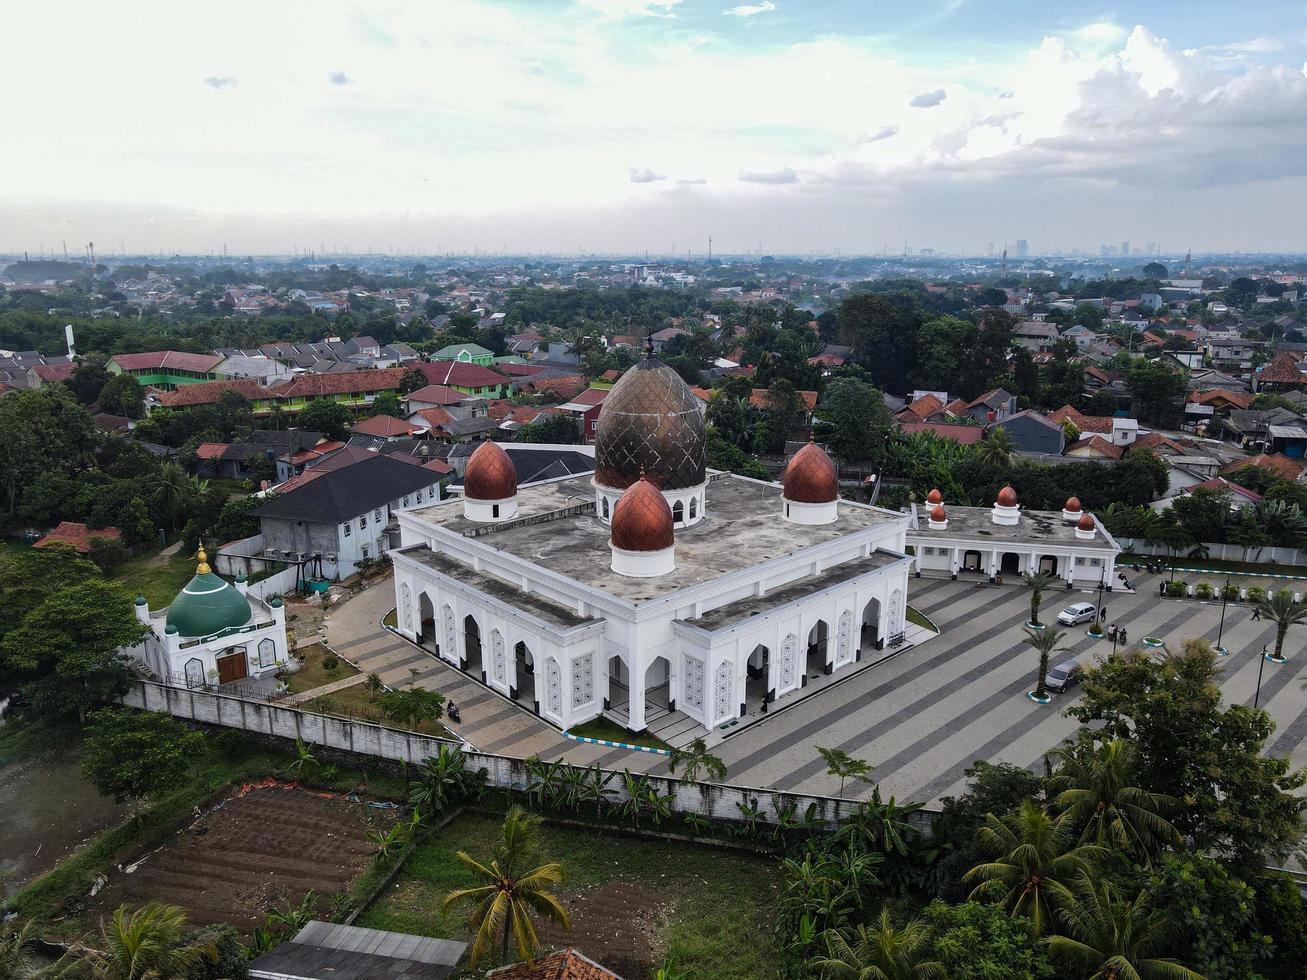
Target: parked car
{"x":1063,"y":676}
{"x":1078,"y":612}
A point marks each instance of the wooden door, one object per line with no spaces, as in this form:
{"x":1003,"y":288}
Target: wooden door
{"x":232,"y":667}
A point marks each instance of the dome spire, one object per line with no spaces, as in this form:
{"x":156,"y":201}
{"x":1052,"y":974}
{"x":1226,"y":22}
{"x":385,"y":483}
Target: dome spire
{"x":203,"y":567}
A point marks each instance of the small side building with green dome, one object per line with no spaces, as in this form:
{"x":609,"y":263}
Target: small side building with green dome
{"x":215,"y":632}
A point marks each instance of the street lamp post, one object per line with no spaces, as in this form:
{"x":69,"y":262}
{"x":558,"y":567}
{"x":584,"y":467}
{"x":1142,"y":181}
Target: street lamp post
{"x":1102,"y":583}
{"x":1221,"y":630}
{"x":1261,"y":663}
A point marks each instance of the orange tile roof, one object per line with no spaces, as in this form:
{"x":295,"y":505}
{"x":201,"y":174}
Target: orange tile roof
{"x":965,"y":434}
{"x":208,"y":392}
{"x":77,"y":536}
{"x":1283,"y":369}
{"x":1237,"y":399}
{"x":758,"y":398}
{"x":1085,"y":423}
{"x":436,"y":395}
{"x":570,"y":964}
{"x":210,"y":450}
{"x":349,"y":382}
{"x":568,"y":385}
{"x":1100,"y":445}
{"x":383,"y":426}
{"x":1277,"y":462}
{"x":435,"y":417}
{"x":925,"y":406}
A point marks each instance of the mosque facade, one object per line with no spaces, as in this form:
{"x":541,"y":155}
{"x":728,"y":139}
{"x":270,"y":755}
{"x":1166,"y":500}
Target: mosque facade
{"x":655,"y":586}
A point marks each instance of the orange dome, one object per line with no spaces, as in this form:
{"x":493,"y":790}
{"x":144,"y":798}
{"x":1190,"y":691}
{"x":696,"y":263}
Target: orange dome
{"x":935,"y":497}
{"x":1007,"y":497}
{"x":938,"y":515}
{"x":810,"y":477}
{"x":1086,"y":522}
{"x":490,"y":474}
{"x":1073,"y":504}
{"x":642,"y":521}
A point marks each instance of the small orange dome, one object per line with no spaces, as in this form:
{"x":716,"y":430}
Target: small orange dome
{"x":642,"y":521}
{"x":935,"y":497}
{"x":938,"y":514}
{"x":490,"y":474}
{"x":1007,"y":497}
{"x":1086,"y":522}
{"x":810,"y":477}
{"x":1073,"y":505}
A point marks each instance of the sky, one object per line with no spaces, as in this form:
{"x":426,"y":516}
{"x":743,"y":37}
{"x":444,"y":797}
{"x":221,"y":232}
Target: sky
{"x":625,"y":126}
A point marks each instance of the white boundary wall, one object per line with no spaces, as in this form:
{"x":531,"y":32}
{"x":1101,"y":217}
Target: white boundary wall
{"x":715,"y":800}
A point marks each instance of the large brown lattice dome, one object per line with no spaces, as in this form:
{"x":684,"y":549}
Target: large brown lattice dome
{"x":651,"y":422}
{"x":642,"y":521}
{"x":810,"y":477}
{"x":490,"y":474}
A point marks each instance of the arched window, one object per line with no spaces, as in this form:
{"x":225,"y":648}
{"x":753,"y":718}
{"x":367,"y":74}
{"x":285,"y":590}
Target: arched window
{"x":694,"y":507}
{"x":678,"y":513}
{"x":605,"y":508}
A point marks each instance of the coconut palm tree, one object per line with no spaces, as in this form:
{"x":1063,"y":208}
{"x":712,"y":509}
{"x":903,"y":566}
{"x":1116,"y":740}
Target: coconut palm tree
{"x":997,"y":448}
{"x":16,"y":960}
{"x":695,"y":760}
{"x":1281,"y":609}
{"x":169,"y":488}
{"x":503,"y":904}
{"x":1039,"y":582}
{"x":1095,"y":791}
{"x":143,"y":945}
{"x":1046,"y":642}
{"x":1106,"y":937}
{"x":1037,"y":864}
{"x":879,"y":952}
{"x":840,"y":763}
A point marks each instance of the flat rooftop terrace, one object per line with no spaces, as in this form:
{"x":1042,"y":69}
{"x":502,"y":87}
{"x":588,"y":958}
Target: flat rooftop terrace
{"x":1035,"y":527}
{"x":556,"y":528}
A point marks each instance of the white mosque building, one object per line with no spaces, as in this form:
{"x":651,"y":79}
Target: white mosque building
{"x":213,"y":633}
{"x":656,"y":585}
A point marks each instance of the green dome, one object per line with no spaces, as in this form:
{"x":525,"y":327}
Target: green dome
{"x":207,"y":605}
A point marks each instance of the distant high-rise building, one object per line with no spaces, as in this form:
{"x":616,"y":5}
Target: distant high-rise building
{"x":989,"y":250}
{"x":1023,"y":249}
{"x":1125,"y":248}
{"x":1150,"y":248}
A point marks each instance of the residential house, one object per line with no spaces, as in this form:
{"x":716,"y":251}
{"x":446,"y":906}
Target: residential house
{"x":585,"y":407}
{"x":568,"y":964}
{"x":384,"y":427}
{"x":1033,"y":432}
{"x":288,"y":452}
{"x":1283,"y":466}
{"x":1035,"y":335}
{"x":966,"y":435}
{"x":1094,"y":447}
{"x":993,"y":406}
{"x":470,"y":379}
{"x":166,"y":369}
{"x":1282,"y":374}
{"x":465,"y":354}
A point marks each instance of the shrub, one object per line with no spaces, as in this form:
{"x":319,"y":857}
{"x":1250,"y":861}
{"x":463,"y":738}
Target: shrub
{"x":1230,"y":593}
{"x":976,"y":941}
{"x":1175,"y":589}
{"x":229,"y":963}
{"x":1256,"y":593}
{"x":330,"y":662}
{"x":1203,"y":590}
{"x":1280,"y":914}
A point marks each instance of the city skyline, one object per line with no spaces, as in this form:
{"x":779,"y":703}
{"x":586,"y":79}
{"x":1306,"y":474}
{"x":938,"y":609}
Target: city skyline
{"x":619,"y":126}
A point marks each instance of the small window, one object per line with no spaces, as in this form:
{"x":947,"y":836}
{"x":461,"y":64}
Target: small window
{"x":405,"y":501}
{"x":377,"y":514}
{"x":365,"y":551}
{"x":418,"y":497}
{"x":494,"y":510}
{"x":363,"y":522}
{"x":605,"y":507}
{"x":694,"y":507}
{"x":678,"y":513}
{"x":348,"y":530}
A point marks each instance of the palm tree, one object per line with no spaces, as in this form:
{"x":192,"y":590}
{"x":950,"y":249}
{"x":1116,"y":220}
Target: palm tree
{"x":1046,"y":643}
{"x":840,"y":763}
{"x":1036,"y":865}
{"x":16,"y":959}
{"x":143,"y":945}
{"x":879,"y":952}
{"x":997,"y":448}
{"x":502,"y":906}
{"x":1109,"y":938}
{"x":695,"y":759}
{"x":169,"y":488}
{"x":1095,"y":790}
{"x":1281,"y":609}
{"x":1038,"y":582}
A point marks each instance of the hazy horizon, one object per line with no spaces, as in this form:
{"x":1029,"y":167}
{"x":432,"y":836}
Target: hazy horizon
{"x":620,"y":126}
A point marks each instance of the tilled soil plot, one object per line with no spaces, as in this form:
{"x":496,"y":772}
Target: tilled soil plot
{"x":616,"y":924}
{"x":264,"y":848}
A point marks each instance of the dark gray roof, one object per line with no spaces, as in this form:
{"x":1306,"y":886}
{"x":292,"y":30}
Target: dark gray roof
{"x":262,"y":441}
{"x":534,"y":465}
{"x":343,"y":494}
{"x":325,"y":951}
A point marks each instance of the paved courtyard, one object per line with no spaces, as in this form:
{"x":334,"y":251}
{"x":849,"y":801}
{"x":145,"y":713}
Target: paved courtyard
{"x":922,"y":717}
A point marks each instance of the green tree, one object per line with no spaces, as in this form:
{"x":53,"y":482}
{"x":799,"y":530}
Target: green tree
{"x":41,"y":431}
{"x":879,"y":952}
{"x":170,"y":491}
{"x":122,"y":395}
{"x":1039,"y":583}
{"x":840,"y":763}
{"x":411,"y":706}
{"x":1217,"y":915}
{"x":411,"y":380}
{"x":997,"y":448}
{"x":1036,"y":867}
{"x":1044,"y":642}
{"x":1154,"y":270}
{"x":387,"y":403}
{"x":1235,"y":802}
{"x":133,"y":754}
{"x":29,"y":577}
{"x":557,"y":428}
{"x":509,"y":895}
{"x":860,"y":421}
{"x":1156,"y":389}
{"x":883,"y":335}
{"x":1282,"y":610}
{"x":88,"y":379}
{"x":977,"y":941}
{"x":1095,"y":794}
{"x":324,"y":415}
{"x":1107,"y":936}
{"x":148,"y":944}
{"x":66,"y":648}
{"x":694,"y":761}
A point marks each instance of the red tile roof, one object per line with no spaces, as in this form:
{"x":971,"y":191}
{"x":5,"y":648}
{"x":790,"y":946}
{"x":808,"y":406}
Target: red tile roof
{"x":1283,"y":369}
{"x":1099,"y":445}
{"x":964,"y":434}
{"x":460,"y":375}
{"x":347,"y":383}
{"x":591,"y":397}
{"x":569,"y":964}
{"x":77,"y":536}
{"x":519,"y":370}
{"x":210,"y":450}
{"x":54,"y":372}
{"x":383,"y":426}
{"x":1220,"y":483}
{"x":1216,"y":395}
{"x":925,"y":406}
{"x":179,"y":360}
{"x":435,"y":417}
{"x":1085,"y":423}
{"x":566,"y":386}
{"x":758,"y":398}
{"x":436,"y":395}
{"x":1154,"y":440}
{"x":208,"y":392}
{"x":1279,"y":463}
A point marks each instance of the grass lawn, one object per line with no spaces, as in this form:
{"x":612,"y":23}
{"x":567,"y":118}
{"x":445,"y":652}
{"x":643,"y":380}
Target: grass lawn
{"x":632,"y":902}
{"x":158,"y":579}
{"x":356,"y":702}
{"x":602,"y":727}
{"x":920,"y":620}
{"x":390,"y":620}
{"x":312,"y":674}
{"x":11,"y":546}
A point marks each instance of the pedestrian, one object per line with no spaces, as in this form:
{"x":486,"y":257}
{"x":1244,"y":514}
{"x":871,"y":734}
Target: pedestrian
{"x":1257,"y":613}
{"x":1161,"y":588}
{"x":1123,"y":636}
{"x":764,"y":704}
{"x":452,"y":711}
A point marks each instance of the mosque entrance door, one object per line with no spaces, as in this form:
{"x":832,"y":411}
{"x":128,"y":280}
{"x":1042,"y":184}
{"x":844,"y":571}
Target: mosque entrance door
{"x":232,"y":666}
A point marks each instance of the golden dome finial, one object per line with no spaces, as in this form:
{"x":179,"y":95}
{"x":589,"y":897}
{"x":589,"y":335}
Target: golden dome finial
{"x":203,"y":567}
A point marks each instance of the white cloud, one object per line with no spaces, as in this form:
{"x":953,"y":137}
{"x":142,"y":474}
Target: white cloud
{"x":884,"y":133}
{"x":339,"y":78}
{"x":785,"y":175}
{"x":219,"y":82}
{"x":643,"y":175}
{"x":928,"y":100}
{"x":750,"y":9}
{"x":616,"y":9}
{"x":693,"y":180}
{"x":1100,"y":32}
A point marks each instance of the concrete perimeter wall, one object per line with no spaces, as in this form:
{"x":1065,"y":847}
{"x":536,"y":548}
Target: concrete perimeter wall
{"x":715,"y":800}
{"x":1220,"y":552}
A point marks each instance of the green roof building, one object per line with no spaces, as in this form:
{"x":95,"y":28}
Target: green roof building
{"x":208,"y":604}
{"x":465,"y":354}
